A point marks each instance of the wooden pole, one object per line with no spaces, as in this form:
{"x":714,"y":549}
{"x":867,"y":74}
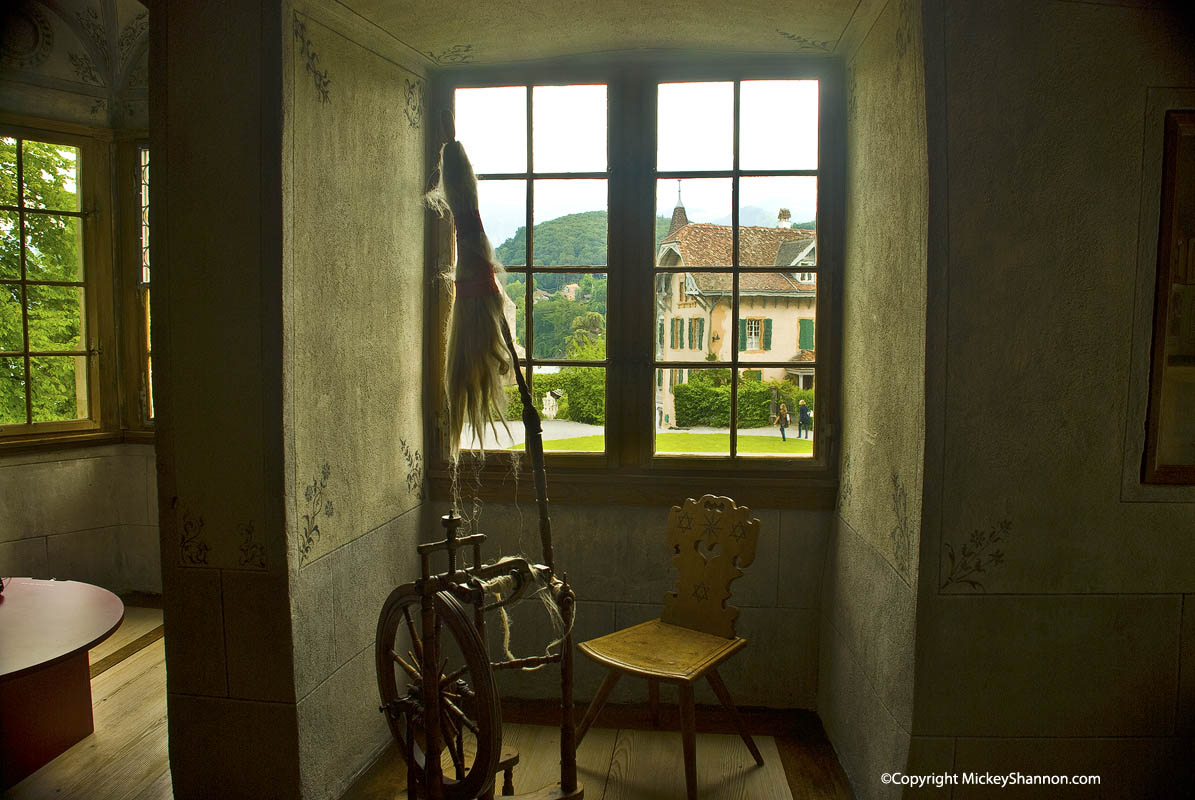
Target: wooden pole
{"x":568,"y":732}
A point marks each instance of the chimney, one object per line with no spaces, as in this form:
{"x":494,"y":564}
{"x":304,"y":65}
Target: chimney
{"x":784,"y":219}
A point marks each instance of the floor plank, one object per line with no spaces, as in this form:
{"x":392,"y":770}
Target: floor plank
{"x":137,"y":622}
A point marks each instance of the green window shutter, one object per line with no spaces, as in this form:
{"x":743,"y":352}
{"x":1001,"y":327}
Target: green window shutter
{"x":659,"y":378}
{"x":700,"y":333}
{"x":660,"y":333}
{"x":767,"y":334}
{"x":805,"y":341}
{"x":691,"y":332}
{"x":742,"y":334}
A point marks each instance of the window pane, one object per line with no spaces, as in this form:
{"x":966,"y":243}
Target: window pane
{"x":59,"y":386}
{"x":771,"y":419}
{"x":774,"y":211}
{"x":492,"y":124}
{"x":695,"y":126}
{"x":569,"y":316}
{"x":12,"y":331}
{"x":570,"y":223}
{"x":693,"y":316}
{"x":8,"y":171}
{"x":693,"y":412}
{"x":778,"y":125}
{"x":144,"y":156}
{"x":10,"y":245}
{"x":55,"y":317}
{"x":12,"y":391}
{"x":693,"y":222}
{"x":55,"y":248}
{"x":51,"y":175}
{"x":572,"y":404}
{"x":503,"y":209}
{"x":569,"y":128}
{"x":777,"y":312}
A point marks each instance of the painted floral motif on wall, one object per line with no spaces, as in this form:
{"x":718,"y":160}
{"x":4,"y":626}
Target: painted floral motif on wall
{"x":311,"y":58}
{"x":901,"y":535}
{"x":457,"y":54}
{"x":414,"y":99}
{"x":253,"y":552}
{"x":805,"y":43}
{"x":414,"y":469}
{"x":193,"y":546}
{"x":317,"y":506}
{"x":970,"y":563}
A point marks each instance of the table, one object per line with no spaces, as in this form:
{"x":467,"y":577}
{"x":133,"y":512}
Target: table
{"x":46,"y":629}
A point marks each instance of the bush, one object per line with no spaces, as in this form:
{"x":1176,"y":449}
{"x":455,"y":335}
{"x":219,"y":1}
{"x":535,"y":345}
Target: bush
{"x":704,"y":402}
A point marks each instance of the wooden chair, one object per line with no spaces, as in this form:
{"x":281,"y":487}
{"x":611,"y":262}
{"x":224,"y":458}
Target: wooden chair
{"x":711,"y":540}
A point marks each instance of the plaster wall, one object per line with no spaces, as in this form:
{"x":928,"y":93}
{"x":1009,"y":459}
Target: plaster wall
{"x":1054,"y":597}
{"x":868,"y":608}
{"x":353,"y":303}
{"x":617,"y":561}
{"x":87,"y":515}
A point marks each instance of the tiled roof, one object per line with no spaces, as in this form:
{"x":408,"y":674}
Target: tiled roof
{"x":714,"y":283}
{"x":790,"y":251}
{"x":704,"y":245}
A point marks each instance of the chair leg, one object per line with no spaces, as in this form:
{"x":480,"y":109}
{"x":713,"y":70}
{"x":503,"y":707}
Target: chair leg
{"x":599,"y":700}
{"x":688,"y":733}
{"x":724,"y":697}
{"x":653,"y":701}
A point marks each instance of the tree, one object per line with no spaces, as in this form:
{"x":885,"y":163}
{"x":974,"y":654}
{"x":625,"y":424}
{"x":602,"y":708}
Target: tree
{"x":52,"y":253}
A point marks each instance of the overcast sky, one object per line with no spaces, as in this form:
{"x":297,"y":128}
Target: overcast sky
{"x":778,"y":130}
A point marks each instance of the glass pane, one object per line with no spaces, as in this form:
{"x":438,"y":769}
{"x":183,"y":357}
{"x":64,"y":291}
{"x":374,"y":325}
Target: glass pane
{"x":572,"y":405}
{"x":503,"y":209}
{"x":492,"y":125}
{"x":51,"y":175}
{"x":570,"y":223}
{"x":775,"y":412}
{"x":569,"y":316}
{"x":569,"y":128}
{"x":55,"y":248}
{"x":775,"y":211}
{"x":778,"y":125}
{"x":777,"y":313}
{"x":149,"y":388}
{"x":693,"y":222}
{"x":56,"y":315}
{"x":10,"y":244}
{"x":144,"y":154}
{"x":12,"y":330}
{"x":693,"y":316}
{"x":695,"y":126}
{"x":59,"y":386}
{"x":692,"y":412}
{"x":8,"y":171}
{"x":12,"y":391}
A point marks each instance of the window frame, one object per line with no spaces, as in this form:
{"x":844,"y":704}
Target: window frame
{"x":629,"y":466}
{"x":95,"y":214}
{"x":134,"y":378}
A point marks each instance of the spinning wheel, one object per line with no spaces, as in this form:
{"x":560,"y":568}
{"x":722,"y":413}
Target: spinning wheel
{"x":470,"y":726}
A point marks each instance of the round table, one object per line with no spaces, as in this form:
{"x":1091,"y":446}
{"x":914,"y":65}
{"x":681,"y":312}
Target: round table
{"x":46,"y":629}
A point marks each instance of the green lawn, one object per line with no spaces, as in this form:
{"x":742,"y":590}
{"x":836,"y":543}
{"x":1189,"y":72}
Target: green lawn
{"x":692,"y":443}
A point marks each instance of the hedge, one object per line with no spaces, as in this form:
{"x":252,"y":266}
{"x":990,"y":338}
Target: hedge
{"x":583,"y":390}
{"x":701,"y":403}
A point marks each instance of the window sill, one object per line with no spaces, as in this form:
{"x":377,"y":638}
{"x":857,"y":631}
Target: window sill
{"x":655,"y":487}
{"x":64,"y":441}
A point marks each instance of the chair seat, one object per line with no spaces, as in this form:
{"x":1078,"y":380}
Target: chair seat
{"x":665,"y":652}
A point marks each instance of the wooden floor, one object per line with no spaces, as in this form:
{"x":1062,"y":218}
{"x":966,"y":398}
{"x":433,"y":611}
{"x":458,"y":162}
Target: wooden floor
{"x":126,"y":757}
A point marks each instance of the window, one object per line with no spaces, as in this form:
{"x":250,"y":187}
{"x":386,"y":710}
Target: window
{"x":47,"y":380}
{"x":664,"y":191}
{"x":145,"y":361}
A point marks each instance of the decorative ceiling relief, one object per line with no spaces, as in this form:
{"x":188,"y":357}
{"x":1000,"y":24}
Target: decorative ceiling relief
{"x":457,"y":54}
{"x":805,"y":43}
{"x":969,"y":565}
{"x":307,"y":51}
{"x":91,"y":58}
{"x":26,"y":38}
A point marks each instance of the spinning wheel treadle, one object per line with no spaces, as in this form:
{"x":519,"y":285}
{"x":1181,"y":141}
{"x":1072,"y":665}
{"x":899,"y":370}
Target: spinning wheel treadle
{"x":470,"y":717}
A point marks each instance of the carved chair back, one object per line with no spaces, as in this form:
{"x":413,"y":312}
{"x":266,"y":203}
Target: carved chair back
{"x":711,"y":539}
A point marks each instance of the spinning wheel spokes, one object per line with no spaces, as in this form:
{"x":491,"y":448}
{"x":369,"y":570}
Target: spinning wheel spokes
{"x":468,"y":713}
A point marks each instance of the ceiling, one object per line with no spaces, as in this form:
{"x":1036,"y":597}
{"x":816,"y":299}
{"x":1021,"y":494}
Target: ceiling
{"x":508,"y":31}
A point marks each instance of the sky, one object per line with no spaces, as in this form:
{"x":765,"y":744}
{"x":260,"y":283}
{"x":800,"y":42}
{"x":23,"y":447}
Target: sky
{"x":778,"y":130}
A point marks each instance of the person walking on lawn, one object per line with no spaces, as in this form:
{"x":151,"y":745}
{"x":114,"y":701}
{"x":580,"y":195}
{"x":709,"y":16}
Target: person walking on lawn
{"x":804,"y":420}
{"x":782,"y":421}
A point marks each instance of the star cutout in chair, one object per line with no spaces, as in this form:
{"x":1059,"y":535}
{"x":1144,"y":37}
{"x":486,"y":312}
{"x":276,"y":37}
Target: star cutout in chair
{"x":738,"y":532}
{"x":711,"y":524}
{"x":701,"y":592}
{"x":685,"y":522}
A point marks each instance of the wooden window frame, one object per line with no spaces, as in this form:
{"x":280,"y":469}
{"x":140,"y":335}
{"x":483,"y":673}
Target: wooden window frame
{"x":133,"y":321}
{"x":96,"y":214}
{"x":629,"y":470}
